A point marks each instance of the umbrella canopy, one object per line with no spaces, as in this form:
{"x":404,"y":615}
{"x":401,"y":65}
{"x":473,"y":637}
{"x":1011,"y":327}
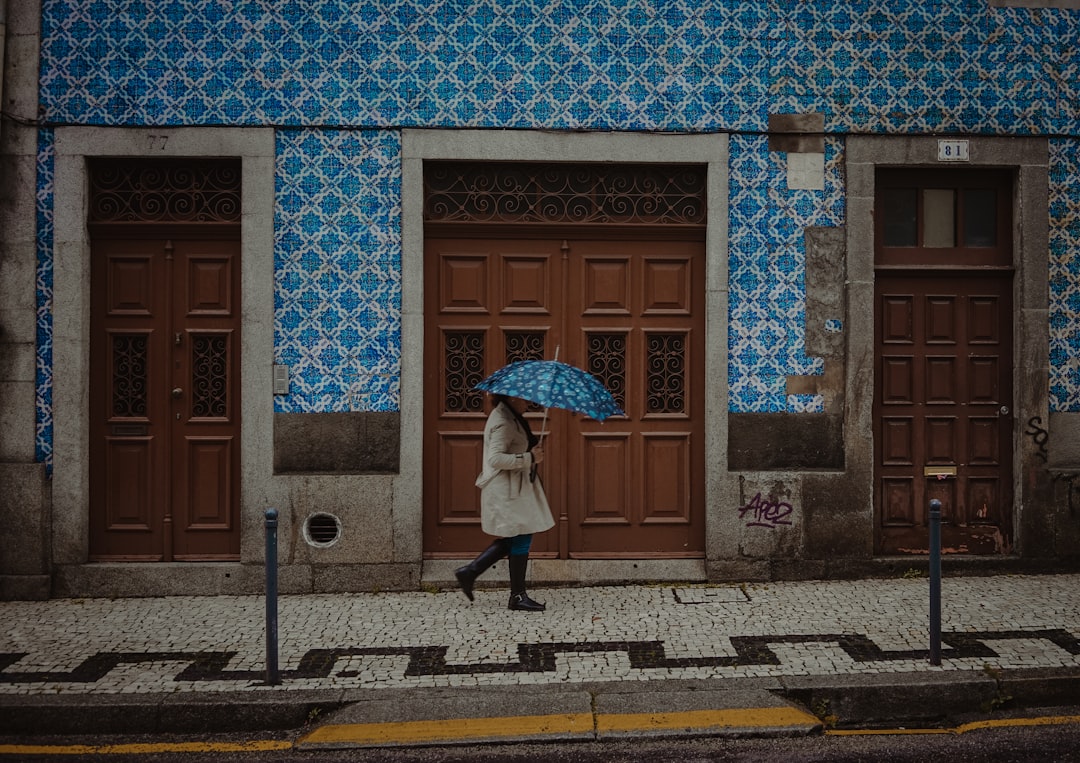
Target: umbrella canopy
{"x":553,"y":385}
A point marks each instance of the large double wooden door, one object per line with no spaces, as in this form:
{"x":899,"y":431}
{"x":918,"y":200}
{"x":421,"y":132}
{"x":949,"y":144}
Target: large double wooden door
{"x":631,"y":313}
{"x":164,"y":392}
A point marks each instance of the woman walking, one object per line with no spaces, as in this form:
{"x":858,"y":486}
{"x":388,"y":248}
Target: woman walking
{"x":512,"y":501}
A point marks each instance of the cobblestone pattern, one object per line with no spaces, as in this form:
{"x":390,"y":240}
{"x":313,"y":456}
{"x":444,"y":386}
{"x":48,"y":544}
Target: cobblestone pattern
{"x":634,"y":633}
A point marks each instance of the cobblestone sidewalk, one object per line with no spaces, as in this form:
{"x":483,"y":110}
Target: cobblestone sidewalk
{"x":613,"y":633}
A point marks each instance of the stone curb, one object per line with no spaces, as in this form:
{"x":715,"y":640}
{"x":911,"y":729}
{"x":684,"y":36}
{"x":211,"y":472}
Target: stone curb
{"x":843,"y":701}
{"x":163,"y":713}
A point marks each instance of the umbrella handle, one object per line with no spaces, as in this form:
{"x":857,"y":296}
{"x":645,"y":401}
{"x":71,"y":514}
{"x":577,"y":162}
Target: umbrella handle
{"x":543,"y":425}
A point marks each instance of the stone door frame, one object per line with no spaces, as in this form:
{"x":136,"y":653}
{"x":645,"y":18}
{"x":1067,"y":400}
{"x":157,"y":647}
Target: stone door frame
{"x":507,"y":145}
{"x":1028,"y":158}
{"x":71,"y":323}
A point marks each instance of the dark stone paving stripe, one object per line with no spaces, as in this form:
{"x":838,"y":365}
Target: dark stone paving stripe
{"x":532,"y":658}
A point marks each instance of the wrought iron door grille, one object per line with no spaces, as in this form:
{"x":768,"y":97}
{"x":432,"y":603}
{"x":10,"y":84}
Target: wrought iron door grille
{"x":209,"y":376}
{"x":129,"y":375}
{"x":463,"y":355}
{"x":525,"y":345}
{"x":607,"y":362}
{"x":164,"y":190}
{"x":666,"y":373}
{"x":553,"y":193}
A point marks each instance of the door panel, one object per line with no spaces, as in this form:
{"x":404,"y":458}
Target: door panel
{"x":631,"y":313}
{"x":942,"y":410}
{"x":164,"y":389}
{"x":489,"y":302}
{"x":943,"y":356}
{"x":129,"y":498}
{"x":606,"y":499}
{"x":639,"y":327}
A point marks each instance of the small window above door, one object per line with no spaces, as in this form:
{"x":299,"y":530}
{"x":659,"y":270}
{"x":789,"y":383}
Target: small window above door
{"x":945,"y":219}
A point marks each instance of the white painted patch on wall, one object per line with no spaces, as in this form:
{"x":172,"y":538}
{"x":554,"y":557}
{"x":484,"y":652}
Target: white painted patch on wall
{"x":806,"y":171}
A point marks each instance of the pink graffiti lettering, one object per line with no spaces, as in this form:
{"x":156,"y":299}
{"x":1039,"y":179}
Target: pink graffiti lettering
{"x":766,"y":512}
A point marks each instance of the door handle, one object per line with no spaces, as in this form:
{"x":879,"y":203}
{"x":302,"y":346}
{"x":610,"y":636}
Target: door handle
{"x":177,"y":392}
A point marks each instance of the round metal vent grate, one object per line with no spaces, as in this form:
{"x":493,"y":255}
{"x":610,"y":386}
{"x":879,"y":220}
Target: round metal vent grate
{"x":322,"y":530}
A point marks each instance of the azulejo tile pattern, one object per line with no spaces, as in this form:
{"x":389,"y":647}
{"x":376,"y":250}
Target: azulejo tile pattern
{"x":337,"y":269}
{"x":767,"y":260}
{"x":44,"y":290}
{"x":673,"y":65}
{"x":1064,"y":275}
{"x":697,"y":65}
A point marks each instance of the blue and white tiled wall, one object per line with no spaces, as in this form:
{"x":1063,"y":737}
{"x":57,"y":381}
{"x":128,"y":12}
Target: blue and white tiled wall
{"x":44,"y":292}
{"x":340,"y":78}
{"x":767,"y":266}
{"x":655,"y":65}
{"x":337,"y":269}
{"x":1064,"y":275}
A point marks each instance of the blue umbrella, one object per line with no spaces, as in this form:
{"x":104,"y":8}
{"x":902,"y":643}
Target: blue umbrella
{"x":553,"y":385}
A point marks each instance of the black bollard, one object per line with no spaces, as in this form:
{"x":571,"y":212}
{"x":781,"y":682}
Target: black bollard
{"x":935,"y":582}
{"x":272,"y":676}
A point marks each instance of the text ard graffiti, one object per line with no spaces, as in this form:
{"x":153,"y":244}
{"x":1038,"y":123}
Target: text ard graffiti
{"x":765,"y":512}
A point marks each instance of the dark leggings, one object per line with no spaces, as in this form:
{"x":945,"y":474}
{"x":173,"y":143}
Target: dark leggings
{"x":520,"y":544}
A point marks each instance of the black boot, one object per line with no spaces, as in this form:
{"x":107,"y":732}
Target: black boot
{"x":468,"y":574}
{"x":520,"y":600}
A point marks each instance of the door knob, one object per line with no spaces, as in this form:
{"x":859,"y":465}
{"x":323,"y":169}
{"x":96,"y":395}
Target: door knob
{"x":177,"y":392}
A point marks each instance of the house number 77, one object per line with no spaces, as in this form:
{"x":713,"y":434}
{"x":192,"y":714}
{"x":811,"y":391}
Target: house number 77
{"x":156,"y":142}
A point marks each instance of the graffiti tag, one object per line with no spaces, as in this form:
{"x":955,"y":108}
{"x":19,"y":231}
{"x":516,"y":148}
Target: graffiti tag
{"x":765,"y":512}
{"x":1038,"y":435}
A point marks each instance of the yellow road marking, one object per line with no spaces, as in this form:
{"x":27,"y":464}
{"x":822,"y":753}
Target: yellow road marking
{"x":883,"y":732}
{"x":141,"y":749}
{"x":995,"y":723}
{"x":406,"y":732}
{"x":1048,"y":720}
{"x":755,"y":717}
{"x":494,"y":728}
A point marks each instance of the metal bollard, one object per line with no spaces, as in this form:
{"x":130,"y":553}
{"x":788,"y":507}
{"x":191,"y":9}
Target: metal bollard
{"x":272,"y":676}
{"x":935,"y":582}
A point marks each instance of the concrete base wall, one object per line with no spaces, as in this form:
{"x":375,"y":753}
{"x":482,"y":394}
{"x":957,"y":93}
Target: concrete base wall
{"x":141,"y":580}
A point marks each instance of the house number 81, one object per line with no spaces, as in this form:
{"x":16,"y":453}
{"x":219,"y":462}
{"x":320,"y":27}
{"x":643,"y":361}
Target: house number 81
{"x":952,"y":151}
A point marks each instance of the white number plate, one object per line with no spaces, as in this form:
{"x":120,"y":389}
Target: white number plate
{"x":952,"y":150}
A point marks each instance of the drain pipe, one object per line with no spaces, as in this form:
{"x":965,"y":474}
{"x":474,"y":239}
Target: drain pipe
{"x":3,"y":40}
{"x":3,"y":64}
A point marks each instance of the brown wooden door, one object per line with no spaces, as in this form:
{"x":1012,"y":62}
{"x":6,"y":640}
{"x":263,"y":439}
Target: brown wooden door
{"x":164,"y":391}
{"x":943,"y":399}
{"x":943,"y":381}
{"x":630,"y":312}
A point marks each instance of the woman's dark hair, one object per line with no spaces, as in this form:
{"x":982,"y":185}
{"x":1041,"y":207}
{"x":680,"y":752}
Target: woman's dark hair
{"x":505,"y":399}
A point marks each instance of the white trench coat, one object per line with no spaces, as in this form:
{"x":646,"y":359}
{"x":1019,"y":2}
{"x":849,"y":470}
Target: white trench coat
{"x":509,"y":503}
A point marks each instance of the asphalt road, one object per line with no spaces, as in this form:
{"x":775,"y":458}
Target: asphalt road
{"x":1034,"y":741}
